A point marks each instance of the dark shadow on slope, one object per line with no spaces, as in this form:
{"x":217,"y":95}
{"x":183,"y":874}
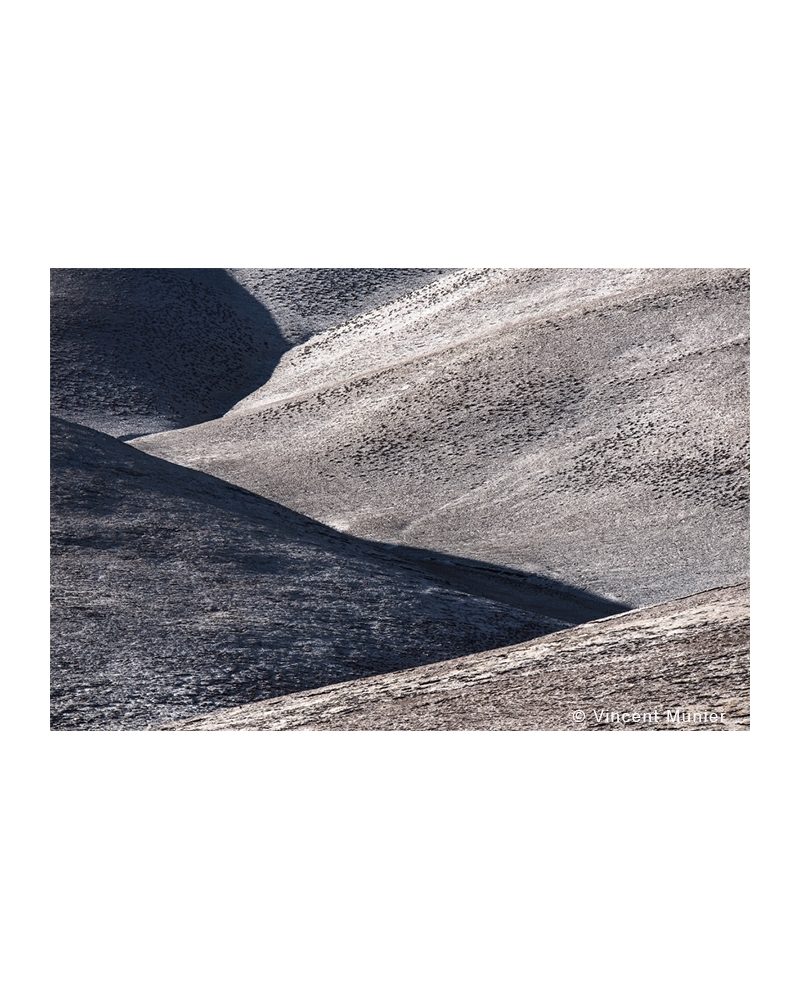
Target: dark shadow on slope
{"x":528,"y":592}
{"x":135,"y":350}
{"x":500,"y":583}
{"x":140,"y":350}
{"x":308,"y":300}
{"x":176,"y":593}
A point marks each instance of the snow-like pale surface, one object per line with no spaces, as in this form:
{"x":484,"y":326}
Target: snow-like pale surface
{"x":475,"y":302}
{"x":589,"y":426}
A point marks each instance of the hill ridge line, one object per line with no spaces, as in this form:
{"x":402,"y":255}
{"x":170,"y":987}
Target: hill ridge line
{"x":565,"y":314}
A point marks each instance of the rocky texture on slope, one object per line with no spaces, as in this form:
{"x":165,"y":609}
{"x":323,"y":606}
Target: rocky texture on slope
{"x":308,"y":300}
{"x":136,"y":350}
{"x":680,"y":665}
{"x":175,"y":593}
{"x":585,"y":425}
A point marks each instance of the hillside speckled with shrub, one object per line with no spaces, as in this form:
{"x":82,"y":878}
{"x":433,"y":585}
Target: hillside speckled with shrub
{"x":176,"y":593}
{"x":333,"y":475}
{"x":585,"y":425}
{"x":135,"y":350}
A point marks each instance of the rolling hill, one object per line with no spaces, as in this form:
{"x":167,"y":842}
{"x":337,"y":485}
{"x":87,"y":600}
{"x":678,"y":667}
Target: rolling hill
{"x":587,"y":426}
{"x":680,"y":665}
{"x":137,"y":350}
{"x":175,"y":593}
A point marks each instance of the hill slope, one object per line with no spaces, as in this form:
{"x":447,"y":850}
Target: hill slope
{"x":585,"y":425}
{"x":136,"y":350}
{"x":308,"y":300}
{"x":175,"y":593}
{"x":681,"y":665}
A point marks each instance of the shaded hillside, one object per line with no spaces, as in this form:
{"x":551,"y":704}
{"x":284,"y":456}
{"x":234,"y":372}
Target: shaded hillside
{"x":585,"y":425}
{"x":137,"y":350}
{"x":147,"y":348}
{"x":681,"y":665}
{"x":308,"y":300}
{"x":175,"y":593}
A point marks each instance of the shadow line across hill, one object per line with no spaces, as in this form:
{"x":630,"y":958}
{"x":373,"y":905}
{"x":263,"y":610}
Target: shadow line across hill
{"x":528,"y":592}
{"x":138,"y":350}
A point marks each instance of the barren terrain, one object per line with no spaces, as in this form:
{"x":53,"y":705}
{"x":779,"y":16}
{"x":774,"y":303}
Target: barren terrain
{"x":270,"y":481}
{"x":136,"y":350}
{"x":681,"y":665}
{"x":175,"y":592}
{"x":588,"y":426}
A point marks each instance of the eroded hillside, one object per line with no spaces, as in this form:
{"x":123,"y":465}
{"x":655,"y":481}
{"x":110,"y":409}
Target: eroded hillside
{"x":588,"y":426}
{"x":175,"y":593}
{"x":681,"y":665}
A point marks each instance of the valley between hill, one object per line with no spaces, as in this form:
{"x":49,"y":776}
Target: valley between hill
{"x":439,"y":491}
{"x":587,"y":426}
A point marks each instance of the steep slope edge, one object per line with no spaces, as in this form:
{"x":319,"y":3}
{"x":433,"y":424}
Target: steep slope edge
{"x":307,"y":300}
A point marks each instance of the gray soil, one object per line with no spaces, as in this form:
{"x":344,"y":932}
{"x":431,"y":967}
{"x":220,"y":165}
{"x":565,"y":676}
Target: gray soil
{"x":340,"y":474}
{"x":679,"y":665}
{"x":305,"y":301}
{"x":581,"y":425}
{"x":138,"y":350}
{"x":176,"y":593}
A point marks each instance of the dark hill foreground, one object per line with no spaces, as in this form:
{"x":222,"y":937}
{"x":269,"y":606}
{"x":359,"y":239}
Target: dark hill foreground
{"x":175,"y":593}
{"x":680,"y":665}
{"x":585,"y":425}
{"x":137,"y":350}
